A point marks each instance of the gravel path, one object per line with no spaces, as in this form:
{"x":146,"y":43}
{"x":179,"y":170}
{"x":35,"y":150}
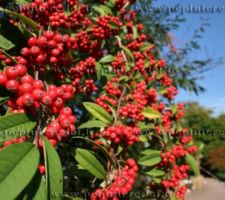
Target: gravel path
{"x":212,"y":190}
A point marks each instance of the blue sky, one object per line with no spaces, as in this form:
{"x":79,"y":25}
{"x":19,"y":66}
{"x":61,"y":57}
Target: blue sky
{"x":214,"y":41}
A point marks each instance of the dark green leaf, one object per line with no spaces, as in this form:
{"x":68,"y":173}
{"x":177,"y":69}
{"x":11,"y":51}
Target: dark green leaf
{"x":98,"y":112}
{"x":150,"y":159}
{"x":150,"y":151}
{"x":155,"y":173}
{"x":193,"y":164}
{"x":36,"y":190}
{"x":93,"y":124}
{"x":89,"y":162}
{"x":107,"y":59}
{"x":18,"y":165}
{"x":128,"y":52}
{"x":53,"y":171}
{"x":15,"y":125}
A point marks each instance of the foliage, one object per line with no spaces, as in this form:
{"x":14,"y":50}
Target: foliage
{"x":96,"y":100}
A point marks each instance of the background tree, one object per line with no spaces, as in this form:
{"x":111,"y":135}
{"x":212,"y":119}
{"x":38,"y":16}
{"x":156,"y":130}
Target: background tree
{"x":209,"y":130}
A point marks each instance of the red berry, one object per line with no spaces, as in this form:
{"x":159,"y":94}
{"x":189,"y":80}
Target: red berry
{"x":65,"y":123}
{"x":58,"y":102}
{"x":55,"y":52}
{"x":66,"y":111}
{"x":3,"y":79}
{"x":27,"y":100}
{"x":27,"y":79}
{"x":25,"y":52}
{"x":41,"y":169}
{"x":35,"y":50}
{"x":12,"y":85}
{"x":19,"y":102}
{"x":22,"y":70}
{"x":42,"y":41}
{"x":53,"y":142}
{"x":37,"y":94}
{"x":67,"y":96}
{"x":38,"y":84}
{"x":32,"y":41}
{"x":11,"y":72}
{"x":40,"y":58}
{"x":47,"y":100}
{"x":26,"y":88}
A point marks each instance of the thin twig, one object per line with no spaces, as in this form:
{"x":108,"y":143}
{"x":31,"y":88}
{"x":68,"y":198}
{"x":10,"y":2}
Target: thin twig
{"x":119,"y":104}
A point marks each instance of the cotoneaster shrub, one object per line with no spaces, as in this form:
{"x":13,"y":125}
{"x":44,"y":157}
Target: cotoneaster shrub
{"x":88,"y":68}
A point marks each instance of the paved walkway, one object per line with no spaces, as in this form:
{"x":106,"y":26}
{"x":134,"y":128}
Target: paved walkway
{"x":212,"y":190}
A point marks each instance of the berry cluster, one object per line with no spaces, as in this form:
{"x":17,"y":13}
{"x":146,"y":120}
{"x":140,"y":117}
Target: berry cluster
{"x":81,"y":69}
{"x":135,"y":102}
{"x":180,"y":192}
{"x":122,"y":134}
{"x":178,"y":173}
{"x":176,"y":152}
{"x":27,"y":94}
{"x":61,"y":128}
{"x":103,"y":30}
{"x":42,"y":10}
{"x":90,"y":86}
{"x":105,"y":101}
{"x":123,"y":183}
{"x":51,"y":49}
{"x":112,"y":87}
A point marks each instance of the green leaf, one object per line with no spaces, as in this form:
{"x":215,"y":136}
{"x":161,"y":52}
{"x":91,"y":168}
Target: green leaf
{"x":107,"y":59}
{"x":128,"y":52}
{"x":15,"y":125}
{"x":92,"y":124}
{"x":173,"y":108}
{"x":150,"y":159}
{"x":98,"y":112}
{"x":173,"y":196}
{"x":5,"y":44}
{"x":111,"y":3}
{"x":145,"y":46}
{"x":53,"y":171}
{"x":193,"y":164}
{"x":151,"y":113}
{"x":151,"y":151}
{"x":143,"y":138}
{"x":24,"y":19}
{"x":144,"y":126}
{"x":98,"y":10}
{"x":22,"y":1}
{"x":36,"y":189}
{"x":119,"y":150}
{"x":155,"y":173}
{"x":89,"y":162}
{"x":157,"y":180}
{"x":135,"y":33}
{"x":18,"y":165}
{"x":98,"y":69}
{"x":106,"y":10}
{"x":113,"y":25}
